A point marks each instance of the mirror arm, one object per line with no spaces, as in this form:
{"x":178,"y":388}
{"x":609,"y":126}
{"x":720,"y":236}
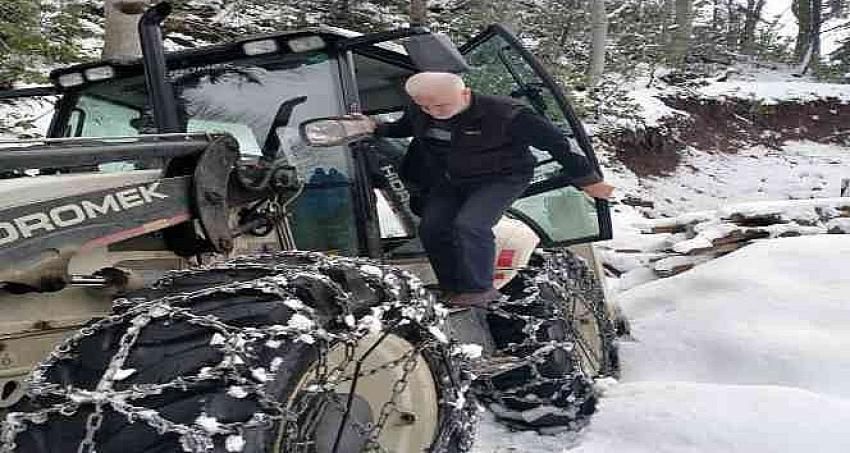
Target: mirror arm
{"x":281,"y":118}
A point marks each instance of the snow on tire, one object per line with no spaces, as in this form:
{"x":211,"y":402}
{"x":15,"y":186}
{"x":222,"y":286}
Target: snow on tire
{"x":553,"y":336}
{"x":293,"y":351}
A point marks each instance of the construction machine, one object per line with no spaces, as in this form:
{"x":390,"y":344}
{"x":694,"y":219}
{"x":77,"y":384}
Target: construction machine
{"x":204,"y":254}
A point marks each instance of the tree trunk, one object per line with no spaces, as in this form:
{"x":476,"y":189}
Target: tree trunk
{"x":339,"y":12}
{"x":836,"y":7}
{"x":599,"y":30}
{"x":748,"y":38}
{"x":817,"y":21}
{"x":121,"y":35}
{"x":715,"y":15}
{"x":809,"y":49}
{"x":418,"y":12}
{"x":510,"y":17}
{"x":681,"y":39}
{"x":667,"y":14}
{"x":732,"y":29}
{"x":803,"y":12}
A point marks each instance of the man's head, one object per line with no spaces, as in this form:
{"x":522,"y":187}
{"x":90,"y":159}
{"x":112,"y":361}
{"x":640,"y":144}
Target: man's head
{"x":441,"y":95}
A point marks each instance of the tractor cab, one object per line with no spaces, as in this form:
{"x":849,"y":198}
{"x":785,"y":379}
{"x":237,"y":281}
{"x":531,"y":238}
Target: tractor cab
{"x":185,"y":157}
{"x":260,"y":90}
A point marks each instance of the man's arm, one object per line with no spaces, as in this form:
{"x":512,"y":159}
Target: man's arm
{"x":532,"y":129}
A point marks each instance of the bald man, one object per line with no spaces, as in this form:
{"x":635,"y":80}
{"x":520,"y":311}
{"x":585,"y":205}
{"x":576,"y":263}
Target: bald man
{"x":474,"y":161}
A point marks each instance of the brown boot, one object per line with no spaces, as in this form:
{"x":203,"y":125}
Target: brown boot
{"x":439,"y":292}
{"x":480,"y":299}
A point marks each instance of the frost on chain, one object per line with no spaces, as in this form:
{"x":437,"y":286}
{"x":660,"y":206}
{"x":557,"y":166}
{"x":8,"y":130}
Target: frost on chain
{"x":237,"y":391}
{"x":217,"y":339}
{"x":294,"y":304}
{"x":438,"y":334}
{"x":275,"y":364}
{"x":123,"y":373}
{"x":471,"y":350}
{"x":260,"y":374}
{"x":372,"y":270}
{"x":371,"y":324}
{"x":234,"y":443}
{"x":350,"y":321}
{"x":208,"y":424}
{"x":238,"y":345}
{"x":305,"y":338}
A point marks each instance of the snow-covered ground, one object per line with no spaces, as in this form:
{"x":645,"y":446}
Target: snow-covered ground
{"x":801,"y":170}
{"x":747,"y":353}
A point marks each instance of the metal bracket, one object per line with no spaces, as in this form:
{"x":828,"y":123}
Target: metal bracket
{"x":211,"y":178}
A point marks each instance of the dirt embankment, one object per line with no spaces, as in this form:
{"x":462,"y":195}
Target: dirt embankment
{"x":726,"y":126}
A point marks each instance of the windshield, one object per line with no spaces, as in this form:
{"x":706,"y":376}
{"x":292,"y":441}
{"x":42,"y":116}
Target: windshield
{"x":243,"y":98}
{"x":240,"y":97}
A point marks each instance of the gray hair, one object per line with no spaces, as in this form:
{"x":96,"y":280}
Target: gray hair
{"x":424,"y":82}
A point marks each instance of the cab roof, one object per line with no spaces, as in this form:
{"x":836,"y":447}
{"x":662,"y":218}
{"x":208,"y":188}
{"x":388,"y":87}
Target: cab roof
{"x":219,"y":53}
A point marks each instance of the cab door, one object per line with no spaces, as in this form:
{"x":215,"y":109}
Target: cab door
{"x":560,"y":213}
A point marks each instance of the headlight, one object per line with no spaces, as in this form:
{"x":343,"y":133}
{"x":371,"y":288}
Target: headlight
{"x":71,"y":79}
{"x":306,"y":44}
{"x":99,"y":73}
{"x":261,"y":47}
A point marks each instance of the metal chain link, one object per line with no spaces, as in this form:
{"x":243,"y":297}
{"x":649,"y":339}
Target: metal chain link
{"x":93,"y":422}
{"x":237,"y":346}
{"x":573,"y":284}
{"x":391,"y":405}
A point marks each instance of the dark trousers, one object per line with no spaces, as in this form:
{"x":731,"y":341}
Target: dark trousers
{"x":456,"y":229}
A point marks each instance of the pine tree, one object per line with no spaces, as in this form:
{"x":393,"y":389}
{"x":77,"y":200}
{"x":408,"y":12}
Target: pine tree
{"x":36,"y":35}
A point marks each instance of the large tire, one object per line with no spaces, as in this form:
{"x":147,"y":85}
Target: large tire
{"x":257,"y":354}
{"x":553,"y":336}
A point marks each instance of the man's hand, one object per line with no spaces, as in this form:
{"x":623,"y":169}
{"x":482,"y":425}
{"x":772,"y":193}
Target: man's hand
{"x":367,"y":124}
{"x":600,"y":189}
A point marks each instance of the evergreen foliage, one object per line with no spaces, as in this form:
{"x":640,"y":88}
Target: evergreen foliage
{"x":36,"y":35}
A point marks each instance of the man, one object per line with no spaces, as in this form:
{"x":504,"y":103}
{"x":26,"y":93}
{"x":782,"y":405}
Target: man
{"x":473,"y":154}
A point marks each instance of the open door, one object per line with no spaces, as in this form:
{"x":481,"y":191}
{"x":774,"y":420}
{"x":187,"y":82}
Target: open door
{"x":559,"y":213}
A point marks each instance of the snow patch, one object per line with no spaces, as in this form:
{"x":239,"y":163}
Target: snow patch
{"x":217,"y":339}
{"x":300,"y":322}
{"x":234,"y":443}
{"x":208,"y":424}
{"x":123,"y":373}
{"x":471,"y":350}
{"x":237,"y":391}
{"x":260,"y":374}
{"x":438,"y":334}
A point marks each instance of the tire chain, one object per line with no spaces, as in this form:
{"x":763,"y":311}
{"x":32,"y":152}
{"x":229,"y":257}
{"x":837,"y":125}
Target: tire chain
{"x":236,"y":344}
{"x":574,"y":283}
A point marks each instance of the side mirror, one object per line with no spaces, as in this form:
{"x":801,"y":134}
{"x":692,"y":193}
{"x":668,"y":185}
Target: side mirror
{"x":334,"y":130}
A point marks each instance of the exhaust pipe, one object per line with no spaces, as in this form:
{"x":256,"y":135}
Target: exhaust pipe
{"x":160,"y":91}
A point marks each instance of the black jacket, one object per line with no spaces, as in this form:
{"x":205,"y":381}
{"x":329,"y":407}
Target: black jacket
{"x":490,"y":138}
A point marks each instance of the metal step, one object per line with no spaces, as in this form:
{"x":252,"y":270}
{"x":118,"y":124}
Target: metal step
{"x":469,"y":325}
